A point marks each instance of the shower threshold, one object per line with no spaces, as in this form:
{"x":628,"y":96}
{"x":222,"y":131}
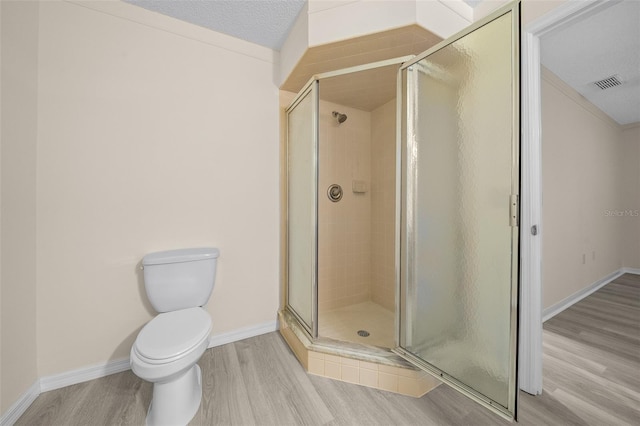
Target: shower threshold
{"x":355,"y":363}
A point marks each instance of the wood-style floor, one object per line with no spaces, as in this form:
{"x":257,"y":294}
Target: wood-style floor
{"x":591,"y":377}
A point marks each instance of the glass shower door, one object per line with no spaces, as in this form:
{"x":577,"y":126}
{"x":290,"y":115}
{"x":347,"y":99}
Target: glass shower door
{"x":459,"y":233}
{"x":302,"y":207}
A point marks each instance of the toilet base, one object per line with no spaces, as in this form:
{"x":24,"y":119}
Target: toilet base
{"x":176,"y":402}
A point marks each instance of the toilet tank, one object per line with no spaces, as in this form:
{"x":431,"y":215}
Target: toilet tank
{"x":180,"y":279}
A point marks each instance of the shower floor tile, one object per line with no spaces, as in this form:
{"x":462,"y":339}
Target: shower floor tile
{"x":344,"y":324}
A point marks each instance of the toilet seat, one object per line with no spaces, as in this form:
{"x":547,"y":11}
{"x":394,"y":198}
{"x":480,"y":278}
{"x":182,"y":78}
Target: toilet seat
{"x":171,"y":335}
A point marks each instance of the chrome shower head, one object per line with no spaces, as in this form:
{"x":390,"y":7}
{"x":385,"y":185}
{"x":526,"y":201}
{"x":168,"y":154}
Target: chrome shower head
{"x":340,"y":117}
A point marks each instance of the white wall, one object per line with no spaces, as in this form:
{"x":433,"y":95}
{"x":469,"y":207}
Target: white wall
{"x":583,"y":168}
{"x":18,"y":176}
{"x":631,"y":196}
{"x":145,"y":134}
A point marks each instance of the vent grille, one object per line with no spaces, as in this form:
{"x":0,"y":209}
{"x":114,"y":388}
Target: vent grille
{"x":608,"y":83}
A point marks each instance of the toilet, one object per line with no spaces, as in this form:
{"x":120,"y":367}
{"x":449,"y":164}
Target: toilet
{"x":178,"y":284}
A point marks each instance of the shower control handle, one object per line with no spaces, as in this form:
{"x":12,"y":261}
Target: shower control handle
{"x":334,"y":192}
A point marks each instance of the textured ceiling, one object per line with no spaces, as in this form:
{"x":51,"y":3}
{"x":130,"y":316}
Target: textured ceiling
{"x":264,"y":22}
{"x":597,"y":47}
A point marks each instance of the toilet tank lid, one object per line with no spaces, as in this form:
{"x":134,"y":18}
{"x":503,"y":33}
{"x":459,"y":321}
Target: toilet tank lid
{"x":180,"y":255}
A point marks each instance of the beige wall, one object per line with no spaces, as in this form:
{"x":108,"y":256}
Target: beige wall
{"x":631,"y":196}
{"x":1,"y":367}
{"x":534,"y":9}
{"x":148,"y":140}
{"x":383,"y":212}
{"x":144,"y":134}
{"x":18,"y":176}
{"x":583,"y":170}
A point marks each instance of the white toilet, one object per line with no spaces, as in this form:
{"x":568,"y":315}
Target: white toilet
{"x":178,"y":284}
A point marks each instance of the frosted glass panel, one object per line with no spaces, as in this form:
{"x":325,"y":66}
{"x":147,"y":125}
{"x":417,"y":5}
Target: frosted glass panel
{"x":301,"y":148}
{"x":457,"y":276}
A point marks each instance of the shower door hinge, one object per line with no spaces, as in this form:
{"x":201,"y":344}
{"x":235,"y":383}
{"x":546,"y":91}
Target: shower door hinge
{"x":514,"y":210}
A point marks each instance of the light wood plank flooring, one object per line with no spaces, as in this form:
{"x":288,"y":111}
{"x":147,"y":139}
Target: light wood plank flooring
{"x":591,"y":377}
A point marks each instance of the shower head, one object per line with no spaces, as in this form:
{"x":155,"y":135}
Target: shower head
{"x":340,"y":117}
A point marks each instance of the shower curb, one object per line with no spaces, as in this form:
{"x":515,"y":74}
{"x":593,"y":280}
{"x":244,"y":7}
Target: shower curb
{"x":382,"y":370}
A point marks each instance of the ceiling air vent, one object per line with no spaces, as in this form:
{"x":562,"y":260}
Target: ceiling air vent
{"x":608,"y":83}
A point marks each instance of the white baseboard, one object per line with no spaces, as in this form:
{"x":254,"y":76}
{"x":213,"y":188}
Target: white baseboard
{"x":554,"y":310}
{"x":68,"y":378}
{"x":85,"y":374}
{"x":635,"y":271}
{"x":243,"y":333}
{"x":20,"y":406}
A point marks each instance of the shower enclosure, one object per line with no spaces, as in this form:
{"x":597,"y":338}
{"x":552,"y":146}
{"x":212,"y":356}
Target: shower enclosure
{"x":402,"y":207}
{"x":342,"y":160}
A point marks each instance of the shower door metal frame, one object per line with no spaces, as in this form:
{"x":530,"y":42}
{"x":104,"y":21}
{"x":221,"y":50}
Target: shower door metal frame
{"x":310,"y":89}
{"x":403,"y":138}
{"x":312,"y":86}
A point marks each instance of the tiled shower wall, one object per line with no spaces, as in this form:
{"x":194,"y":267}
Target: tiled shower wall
{"x":356,"y":234}
{"x":344,"y":237}
{"x":383,"y":162}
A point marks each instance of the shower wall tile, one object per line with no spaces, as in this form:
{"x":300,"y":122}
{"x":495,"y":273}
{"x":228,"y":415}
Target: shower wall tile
{"x":369,"y":378}
{"x":332,"y":370}
{"x":388,"y":382}
{"x":344,"y":237}
{"x":368,"y":365}
{"x":383,"y":170}
{"x":316,"y":366}
{"x":332,"y":358}
{"x":405,"y":381}
{"x":356,"y":235}
{"x":350,"y":374}
{"x":407,"y":385}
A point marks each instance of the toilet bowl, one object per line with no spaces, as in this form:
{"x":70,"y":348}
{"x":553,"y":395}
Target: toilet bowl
{"x":167,"y":349}
{"x":165,"y":353}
